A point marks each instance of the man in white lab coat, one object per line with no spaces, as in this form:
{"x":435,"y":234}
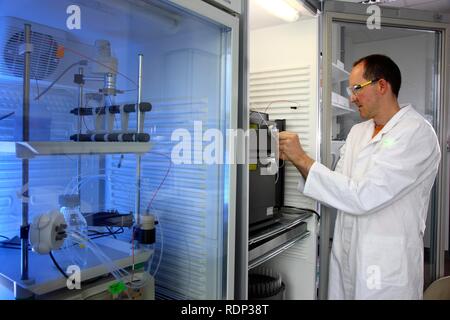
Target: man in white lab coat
{"x":381,"y":188}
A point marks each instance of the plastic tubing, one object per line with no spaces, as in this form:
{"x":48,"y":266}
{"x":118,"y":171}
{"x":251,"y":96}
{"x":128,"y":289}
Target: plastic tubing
{"x":119,"y":273}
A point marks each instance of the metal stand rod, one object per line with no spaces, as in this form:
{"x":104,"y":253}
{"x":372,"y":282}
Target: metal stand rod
{"x":139,"y":113}
{"x":80,"y":105}
{"x":138,"y":157}
{"x":25,"y":164}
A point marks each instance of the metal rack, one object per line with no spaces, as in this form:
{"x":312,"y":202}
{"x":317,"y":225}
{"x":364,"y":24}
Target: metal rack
{"x":31,"y":149}
{"x":280,"y":236}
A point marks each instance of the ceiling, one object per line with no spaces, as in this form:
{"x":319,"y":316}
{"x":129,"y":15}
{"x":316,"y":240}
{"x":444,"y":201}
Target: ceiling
{"x":260,"y":18}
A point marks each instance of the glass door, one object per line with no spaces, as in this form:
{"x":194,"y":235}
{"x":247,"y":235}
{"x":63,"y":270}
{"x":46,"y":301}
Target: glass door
{"x":180,"y":56}
{"x":418,"y":48}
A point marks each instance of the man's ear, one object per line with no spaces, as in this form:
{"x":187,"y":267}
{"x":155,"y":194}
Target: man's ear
{"x":383,"y":86}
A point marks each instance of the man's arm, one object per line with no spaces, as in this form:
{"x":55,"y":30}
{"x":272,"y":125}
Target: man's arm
{"x":400,"y":165}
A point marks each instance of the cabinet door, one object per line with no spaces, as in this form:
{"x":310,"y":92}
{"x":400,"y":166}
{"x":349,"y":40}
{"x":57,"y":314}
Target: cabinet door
{"x":189,"y":75}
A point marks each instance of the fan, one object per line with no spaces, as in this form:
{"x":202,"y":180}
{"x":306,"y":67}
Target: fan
{"x":43,"y":58}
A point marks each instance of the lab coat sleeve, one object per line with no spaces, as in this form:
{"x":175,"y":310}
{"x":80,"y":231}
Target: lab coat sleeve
{"x":398,"y":166}
{"x":302,"y":181}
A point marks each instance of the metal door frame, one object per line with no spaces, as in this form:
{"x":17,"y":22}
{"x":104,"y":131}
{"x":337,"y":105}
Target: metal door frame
{"x":219,"y":17}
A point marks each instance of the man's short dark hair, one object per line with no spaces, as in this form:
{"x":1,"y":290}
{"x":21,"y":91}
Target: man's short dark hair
{"x":378,"y":66}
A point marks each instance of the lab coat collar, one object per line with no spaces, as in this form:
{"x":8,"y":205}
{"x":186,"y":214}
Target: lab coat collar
{"x":390,"y":124}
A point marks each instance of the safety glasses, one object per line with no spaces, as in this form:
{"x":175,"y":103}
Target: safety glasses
{"x":354,"y":90}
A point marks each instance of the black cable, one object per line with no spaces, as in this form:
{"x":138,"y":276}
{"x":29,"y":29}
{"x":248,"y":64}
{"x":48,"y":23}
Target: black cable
{"x":109,"y":233}
{"x":6,"y":115}
{"x":94,"y":232}
{"x":4,"y":237}
{"x":10,"y":246}
{"x":58,"y":266}
{"x":99,"y":234}
{"x":112,"y":233}
{"x":120,"y":161}
{"x":304,"y":209}
{"x":13,"y":243}
{"x":66,"y":276}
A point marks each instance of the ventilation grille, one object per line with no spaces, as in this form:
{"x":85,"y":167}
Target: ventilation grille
{"x":43,"y":58}
{"x":275,"y":91}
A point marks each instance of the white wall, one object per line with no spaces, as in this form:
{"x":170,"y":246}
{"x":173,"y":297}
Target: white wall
{"x":285,"y":45}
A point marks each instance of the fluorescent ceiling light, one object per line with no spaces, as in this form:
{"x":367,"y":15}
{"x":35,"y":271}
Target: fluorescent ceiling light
{"x":281,"y":8}
{"x":304,"y":7}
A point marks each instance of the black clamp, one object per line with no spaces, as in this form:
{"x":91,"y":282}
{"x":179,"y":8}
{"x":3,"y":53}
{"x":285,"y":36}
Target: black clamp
{"x":145,"y":236}
{"x":78,"y":78}
{"x":24,"y":231}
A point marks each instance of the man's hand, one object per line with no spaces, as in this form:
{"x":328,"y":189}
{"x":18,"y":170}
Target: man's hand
{"x":291,"y":149}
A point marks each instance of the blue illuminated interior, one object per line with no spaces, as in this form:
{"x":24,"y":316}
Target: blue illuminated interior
{"x":183,"y":78}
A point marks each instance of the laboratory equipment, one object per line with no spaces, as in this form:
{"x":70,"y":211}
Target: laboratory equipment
{"x":110,"y":218}
{"x":155,"y":51}
{"x":266,"y":171}
{"x":273,"y":227}
{"x":145,"y":231}
{"x":48,"y":232}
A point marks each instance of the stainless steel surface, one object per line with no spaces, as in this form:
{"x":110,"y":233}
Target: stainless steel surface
{"x":276,"y":241}
{"x":269,"y":255}
{"x":267,"y":242}
{"x":277,"y":228}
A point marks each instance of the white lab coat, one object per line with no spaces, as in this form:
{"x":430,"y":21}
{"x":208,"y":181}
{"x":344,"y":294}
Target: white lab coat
{"x":381,"y":188}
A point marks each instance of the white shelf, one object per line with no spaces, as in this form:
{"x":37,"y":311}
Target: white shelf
{"x":339,"y":74}
{"x":31,"y":149}
{"x":339,"y":110}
